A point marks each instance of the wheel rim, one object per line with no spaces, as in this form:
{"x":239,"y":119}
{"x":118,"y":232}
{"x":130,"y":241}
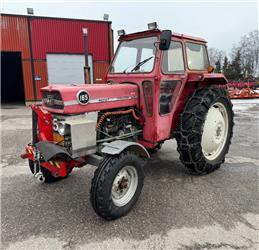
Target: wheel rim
{"x":124,"y":186}
{"x":215,"y":131}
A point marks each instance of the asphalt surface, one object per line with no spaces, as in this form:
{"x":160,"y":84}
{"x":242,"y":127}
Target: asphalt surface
{"x":175,"y":210}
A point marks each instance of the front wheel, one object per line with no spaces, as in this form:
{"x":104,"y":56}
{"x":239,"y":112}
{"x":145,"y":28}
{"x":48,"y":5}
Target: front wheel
{"x":116,"y":185}
{"x":206,"y":130}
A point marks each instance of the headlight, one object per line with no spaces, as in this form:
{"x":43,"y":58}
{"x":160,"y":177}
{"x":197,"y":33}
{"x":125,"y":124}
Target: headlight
{"x":61,"y":128}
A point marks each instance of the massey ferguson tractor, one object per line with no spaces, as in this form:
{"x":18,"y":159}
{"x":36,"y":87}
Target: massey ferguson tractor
{"x":160,"y":86}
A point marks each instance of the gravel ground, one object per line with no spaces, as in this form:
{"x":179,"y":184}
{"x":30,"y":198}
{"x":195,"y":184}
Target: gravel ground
{"x":175,"y":210}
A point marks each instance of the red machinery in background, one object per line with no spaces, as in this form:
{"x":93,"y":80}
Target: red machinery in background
{"x":243,"y":93}
{"x":242,"y":90}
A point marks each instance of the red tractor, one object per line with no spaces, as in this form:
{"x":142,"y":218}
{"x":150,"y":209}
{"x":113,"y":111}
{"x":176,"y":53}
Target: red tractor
{"x":160,"y":86}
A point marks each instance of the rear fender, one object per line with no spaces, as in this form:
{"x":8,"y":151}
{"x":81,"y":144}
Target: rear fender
{"x":214,"y":78}
{"x":116,"y":147}
{"x":188,"y":87}
{"x":207,"y":78}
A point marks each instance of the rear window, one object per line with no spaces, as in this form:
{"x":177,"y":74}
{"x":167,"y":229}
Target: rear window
{"x":197,"y":57}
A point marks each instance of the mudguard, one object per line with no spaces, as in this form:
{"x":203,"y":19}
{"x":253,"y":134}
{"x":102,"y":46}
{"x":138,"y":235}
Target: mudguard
{"x":49,"y":150}
{"x":116,"y":147}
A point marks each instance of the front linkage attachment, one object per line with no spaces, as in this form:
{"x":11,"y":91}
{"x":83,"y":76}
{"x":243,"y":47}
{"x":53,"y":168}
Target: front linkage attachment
{"x":48,"y":161}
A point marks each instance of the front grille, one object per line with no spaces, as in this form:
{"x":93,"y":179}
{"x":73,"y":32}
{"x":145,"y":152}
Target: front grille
{"x":52,"y":99}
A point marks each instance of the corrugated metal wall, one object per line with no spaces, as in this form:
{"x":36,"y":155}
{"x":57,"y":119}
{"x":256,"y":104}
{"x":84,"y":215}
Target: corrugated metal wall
{"x":41,"y":72}
{"x":27,"y":80}
{"x":100,"y":70}
{"x":15,"y":37}
{"x":61,"y":36}
{"x":54,"y":35}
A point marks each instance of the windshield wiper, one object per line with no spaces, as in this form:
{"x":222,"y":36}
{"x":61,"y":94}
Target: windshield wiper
{"x":137,"y":67}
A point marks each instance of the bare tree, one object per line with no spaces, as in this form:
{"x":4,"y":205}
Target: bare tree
{"x":249,"y":51}
{"x":216,"y":56}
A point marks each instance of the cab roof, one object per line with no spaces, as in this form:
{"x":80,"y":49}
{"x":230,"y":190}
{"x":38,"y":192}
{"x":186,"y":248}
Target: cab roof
{"x":146,"y":33}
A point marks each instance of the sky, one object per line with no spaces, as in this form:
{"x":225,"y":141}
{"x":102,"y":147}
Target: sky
{"x":221,"y":23}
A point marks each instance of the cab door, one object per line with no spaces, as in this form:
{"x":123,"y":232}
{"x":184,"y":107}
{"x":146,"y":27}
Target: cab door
{"x":172,"y":77}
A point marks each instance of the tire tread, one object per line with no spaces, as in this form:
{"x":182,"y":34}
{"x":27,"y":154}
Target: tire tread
{"x":101,"y":177}
{"x":189,"y":132}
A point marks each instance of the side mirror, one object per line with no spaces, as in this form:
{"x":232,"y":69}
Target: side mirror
{"x":165,"y":39}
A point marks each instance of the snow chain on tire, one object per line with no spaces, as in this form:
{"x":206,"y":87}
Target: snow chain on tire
{"x":189,"y":132}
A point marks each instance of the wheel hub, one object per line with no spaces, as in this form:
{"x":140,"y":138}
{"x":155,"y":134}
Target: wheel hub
{"x":215,"y":131}
{"x":121,"y":184}
{"x":219,"y":131}
{"x":124,"y":186}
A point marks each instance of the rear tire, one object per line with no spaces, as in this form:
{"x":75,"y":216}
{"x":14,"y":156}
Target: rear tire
{"x":116,"y":185}
{"x":206,"y":129}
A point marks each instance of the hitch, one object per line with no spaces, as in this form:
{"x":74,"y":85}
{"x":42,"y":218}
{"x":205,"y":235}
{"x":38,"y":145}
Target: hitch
{"x":37,"y":168}
{"x":39,"y":176}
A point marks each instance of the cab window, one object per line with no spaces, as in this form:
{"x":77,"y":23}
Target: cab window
{"x":131,"y":53}
{"x":197,"y":57}
{"x":173,"y":62}
{"x":166,"y":96}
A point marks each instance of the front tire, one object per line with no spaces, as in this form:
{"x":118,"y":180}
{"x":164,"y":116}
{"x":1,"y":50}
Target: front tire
{"x":116,"y":185}
{"x":205,"y":131}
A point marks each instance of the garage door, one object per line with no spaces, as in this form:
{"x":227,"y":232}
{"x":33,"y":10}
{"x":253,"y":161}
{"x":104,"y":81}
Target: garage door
{"x":67,"y":68}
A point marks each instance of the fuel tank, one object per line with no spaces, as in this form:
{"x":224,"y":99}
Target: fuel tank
{"x":83,"y":98}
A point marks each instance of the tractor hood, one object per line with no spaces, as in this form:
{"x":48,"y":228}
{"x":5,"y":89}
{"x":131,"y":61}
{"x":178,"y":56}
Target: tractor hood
{"x":87,"y":98}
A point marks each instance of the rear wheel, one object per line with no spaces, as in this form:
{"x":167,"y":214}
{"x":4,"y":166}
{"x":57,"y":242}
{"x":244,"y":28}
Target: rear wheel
{"x":206,"y":130}
{"x":116,"y":185}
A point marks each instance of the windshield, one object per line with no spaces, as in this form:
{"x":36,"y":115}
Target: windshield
{"x":135,"y":56}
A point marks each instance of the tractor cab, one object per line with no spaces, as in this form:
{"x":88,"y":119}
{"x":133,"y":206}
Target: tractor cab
{"x":161,"y":63}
